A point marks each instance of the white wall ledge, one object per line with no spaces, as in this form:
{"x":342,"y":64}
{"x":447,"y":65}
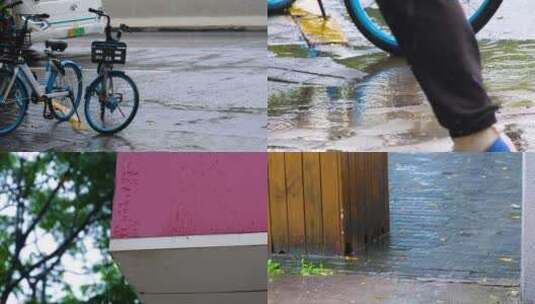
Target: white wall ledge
{"x":194,"y":241}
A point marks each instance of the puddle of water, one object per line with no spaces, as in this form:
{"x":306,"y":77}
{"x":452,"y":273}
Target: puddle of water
{"x":290,"y":50}
{"x":387,"y":102}
{"x":509,"y":71}
{"x":389,"y":105}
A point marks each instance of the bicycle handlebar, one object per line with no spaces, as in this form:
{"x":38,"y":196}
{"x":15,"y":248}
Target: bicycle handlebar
{"x":109,"y":30}
{"x":98,"y":12}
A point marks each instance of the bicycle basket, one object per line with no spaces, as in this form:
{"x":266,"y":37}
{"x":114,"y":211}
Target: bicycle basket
{"x":108,"y":52}
{"x":11,"y":45}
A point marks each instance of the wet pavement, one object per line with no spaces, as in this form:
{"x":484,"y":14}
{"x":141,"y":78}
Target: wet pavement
{"x":454,"y":218}
{"x":202,"y":91}
{"x":360,"y":289}
{"x":381,"y":107}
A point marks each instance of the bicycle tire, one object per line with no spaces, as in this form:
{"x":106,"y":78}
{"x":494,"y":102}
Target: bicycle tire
{"x":62,"y":117}
{"x":276,"y":6}
{"x":386,"y":41}
{"x":92,"y":90}
{"x":18,"y":86}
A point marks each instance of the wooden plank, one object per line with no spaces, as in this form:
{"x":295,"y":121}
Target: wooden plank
{"x":277,"y":203}
{"x":380,"y":193}
{"x":327,"y":203}
{"x":270,"y":243}
{"x":376,"y":209}
{"x":295,"y":200}
{"x":358,"y":217}
{"x":369,"y":167}
{"x":313,"y":208}
{"x":345,"y":193}
{"x":330,"y":180}
{"x":386,"y":194}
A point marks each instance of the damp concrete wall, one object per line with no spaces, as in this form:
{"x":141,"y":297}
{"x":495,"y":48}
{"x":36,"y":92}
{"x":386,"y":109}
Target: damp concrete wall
{"x":188,"y":14}
{"x":528,"y":231}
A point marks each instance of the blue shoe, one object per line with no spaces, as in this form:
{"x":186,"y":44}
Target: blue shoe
{"x":499,"y":146}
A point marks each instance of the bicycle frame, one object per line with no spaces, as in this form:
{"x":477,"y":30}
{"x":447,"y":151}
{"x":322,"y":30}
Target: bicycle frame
{"x":104,"y":70}
{"x":24,"y":72}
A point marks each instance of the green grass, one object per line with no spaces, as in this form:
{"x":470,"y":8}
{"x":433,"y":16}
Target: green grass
{"x":305,"y":269}
{"x":311,"y":269}
{"x":274,"y":268}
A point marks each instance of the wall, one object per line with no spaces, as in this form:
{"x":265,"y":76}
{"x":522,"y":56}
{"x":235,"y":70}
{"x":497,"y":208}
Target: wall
{"x":326,"y":203}
{"x":190,"y":14}
{"x":177,"y":194}
{"x":178,"y":216}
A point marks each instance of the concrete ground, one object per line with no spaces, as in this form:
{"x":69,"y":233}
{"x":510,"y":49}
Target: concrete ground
{"x":351,"y":96}
{"x":368,"y":289}
{"x":202,"y":91}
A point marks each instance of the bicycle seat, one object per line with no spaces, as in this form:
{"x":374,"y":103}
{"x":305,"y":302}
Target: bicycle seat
{"x":56,"y":45}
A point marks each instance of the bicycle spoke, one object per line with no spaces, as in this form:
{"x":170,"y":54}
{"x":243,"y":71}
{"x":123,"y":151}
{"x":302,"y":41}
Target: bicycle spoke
{"x":117,"y":107}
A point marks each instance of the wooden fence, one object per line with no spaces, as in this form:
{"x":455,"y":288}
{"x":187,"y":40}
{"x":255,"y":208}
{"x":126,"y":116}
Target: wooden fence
{"x":327,"y":204}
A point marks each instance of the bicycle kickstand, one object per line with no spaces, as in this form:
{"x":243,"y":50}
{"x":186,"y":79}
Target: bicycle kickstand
{"x":320,"y":3}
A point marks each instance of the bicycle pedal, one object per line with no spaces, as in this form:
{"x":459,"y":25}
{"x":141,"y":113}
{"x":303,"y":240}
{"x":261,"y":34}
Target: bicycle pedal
{"x":47,"y":114}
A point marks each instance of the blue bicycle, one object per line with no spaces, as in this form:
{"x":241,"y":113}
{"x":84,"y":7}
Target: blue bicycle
{"x":60,"y":91}
{"x":112,"y":99}
{"x":368,"y":19}
{"x":278,"y":5}
{"x":366,"y":16}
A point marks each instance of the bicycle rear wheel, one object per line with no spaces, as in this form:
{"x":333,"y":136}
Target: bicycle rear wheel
{"x":278,"y":5}
{"x":111,"y":102}
{"x":63,"y":108}
{"x":366,"y":16}
{"x":14,"y":107}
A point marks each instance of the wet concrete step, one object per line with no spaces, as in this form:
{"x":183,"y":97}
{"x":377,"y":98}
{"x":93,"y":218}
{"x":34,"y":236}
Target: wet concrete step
{"x":321,"y":71}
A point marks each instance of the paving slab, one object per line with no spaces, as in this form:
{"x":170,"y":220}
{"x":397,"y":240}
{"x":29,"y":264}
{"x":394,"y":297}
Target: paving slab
{"x":311,"y":71}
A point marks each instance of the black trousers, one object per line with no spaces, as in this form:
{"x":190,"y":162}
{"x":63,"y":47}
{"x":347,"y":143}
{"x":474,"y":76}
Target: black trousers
{"x":441,"y":48}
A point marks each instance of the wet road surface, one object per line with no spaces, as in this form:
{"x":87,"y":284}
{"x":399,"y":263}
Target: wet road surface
{"x":383,"y":108}
{"x":200,"y":91}
{"x":360,"y":289}
{"x":454,"y":217}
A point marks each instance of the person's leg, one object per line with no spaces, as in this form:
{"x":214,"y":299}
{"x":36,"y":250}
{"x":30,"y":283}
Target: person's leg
{"x":441,"y":48}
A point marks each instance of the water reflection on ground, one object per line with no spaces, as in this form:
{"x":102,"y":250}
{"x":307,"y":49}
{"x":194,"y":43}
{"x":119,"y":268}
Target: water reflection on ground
{"x":386,"y":109}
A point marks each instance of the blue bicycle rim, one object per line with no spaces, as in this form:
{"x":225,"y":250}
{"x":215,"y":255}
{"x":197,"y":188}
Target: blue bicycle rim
{"x":18,"y":85}
{"x":479,"y":11}
{"x":385,"y":37}
{"x":278,"y":4}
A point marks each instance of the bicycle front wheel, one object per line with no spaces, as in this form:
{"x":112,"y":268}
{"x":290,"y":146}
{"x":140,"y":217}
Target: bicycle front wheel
{"x":63,"y":108}
{"x":366,"y":16}
{"x":13,"y":104}
{"x":111,"y":102}
{"x":278,"y":5}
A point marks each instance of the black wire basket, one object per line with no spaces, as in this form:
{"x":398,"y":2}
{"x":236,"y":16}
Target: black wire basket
{"x":12,"y":44}
{"x":108,"y":52}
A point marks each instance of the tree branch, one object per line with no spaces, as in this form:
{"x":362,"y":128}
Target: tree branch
{"x":58,"y":253}
{"x":42,"y":212}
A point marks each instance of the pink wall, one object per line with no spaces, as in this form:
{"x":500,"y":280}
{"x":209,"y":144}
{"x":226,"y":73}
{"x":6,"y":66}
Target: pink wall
{"x":171,"y":194}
